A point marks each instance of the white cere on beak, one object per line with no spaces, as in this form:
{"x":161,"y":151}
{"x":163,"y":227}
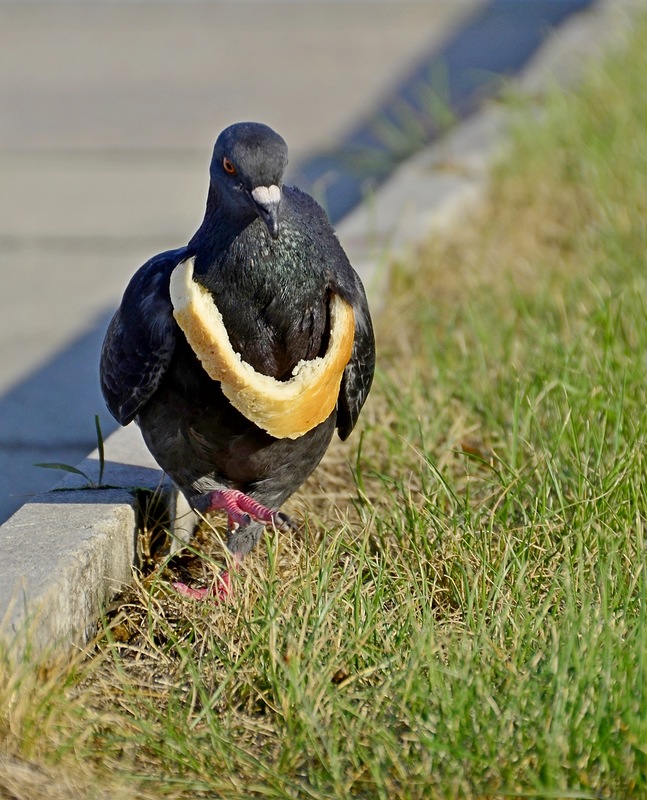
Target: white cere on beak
{"x":266,"y":195}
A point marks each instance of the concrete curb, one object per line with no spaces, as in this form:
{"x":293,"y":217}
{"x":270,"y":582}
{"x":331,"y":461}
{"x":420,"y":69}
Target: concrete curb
{"x":68,"y":551}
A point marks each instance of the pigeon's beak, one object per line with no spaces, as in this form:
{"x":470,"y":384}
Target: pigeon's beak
{"x":268,"y":200}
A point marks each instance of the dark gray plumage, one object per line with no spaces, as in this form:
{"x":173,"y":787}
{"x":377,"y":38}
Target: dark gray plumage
{"x":271,"y":262}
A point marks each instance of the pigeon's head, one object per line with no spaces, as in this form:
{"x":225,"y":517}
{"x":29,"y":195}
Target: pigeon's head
{"x":247,"y":168}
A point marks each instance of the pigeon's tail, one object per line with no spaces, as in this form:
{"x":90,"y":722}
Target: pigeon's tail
{"x":183,"y":520}
{"x":244,"y":539}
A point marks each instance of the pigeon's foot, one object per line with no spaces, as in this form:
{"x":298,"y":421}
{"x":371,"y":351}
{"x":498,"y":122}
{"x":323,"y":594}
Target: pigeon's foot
{"x":220,"y":591}
{"x":242,"y":509}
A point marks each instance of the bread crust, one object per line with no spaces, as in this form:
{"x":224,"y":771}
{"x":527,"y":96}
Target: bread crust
{"x":285,"y":409}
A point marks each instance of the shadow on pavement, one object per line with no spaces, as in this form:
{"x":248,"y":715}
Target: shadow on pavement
{"x":49,"y":417}
{"x":445,"y":87}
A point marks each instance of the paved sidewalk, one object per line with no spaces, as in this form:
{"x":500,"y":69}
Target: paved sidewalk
{"x":109,"y":112}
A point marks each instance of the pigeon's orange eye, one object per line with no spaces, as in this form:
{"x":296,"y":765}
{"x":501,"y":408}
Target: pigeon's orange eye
{"x":229,"y":168}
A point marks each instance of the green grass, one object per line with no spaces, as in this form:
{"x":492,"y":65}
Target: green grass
{"x":470,"y":620}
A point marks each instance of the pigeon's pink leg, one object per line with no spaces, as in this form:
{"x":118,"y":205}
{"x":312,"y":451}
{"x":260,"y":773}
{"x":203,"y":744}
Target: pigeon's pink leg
{"x":221,"y":590}
{"x":241,"y":510}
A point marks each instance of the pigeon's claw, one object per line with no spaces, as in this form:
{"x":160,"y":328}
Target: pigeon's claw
{"x":283,"y":522}
{"x":221,"y":590}
{"x":242,"y":509}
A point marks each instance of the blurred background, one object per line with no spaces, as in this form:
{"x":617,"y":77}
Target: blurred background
{"x":109,"y":111}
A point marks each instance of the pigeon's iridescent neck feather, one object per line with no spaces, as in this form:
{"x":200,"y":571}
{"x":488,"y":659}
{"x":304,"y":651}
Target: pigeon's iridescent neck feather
{"x":259,"y":267}
{"x":272,"y":294}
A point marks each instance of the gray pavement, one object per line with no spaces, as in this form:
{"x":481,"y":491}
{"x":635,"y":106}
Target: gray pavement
{"x":108,"y":115}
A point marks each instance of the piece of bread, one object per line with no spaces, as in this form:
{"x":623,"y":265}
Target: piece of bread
{"x":285,"y":409}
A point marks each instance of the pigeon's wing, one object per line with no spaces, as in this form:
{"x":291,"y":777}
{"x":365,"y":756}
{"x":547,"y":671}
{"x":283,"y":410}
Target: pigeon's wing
{"x":358,"y":375}
{"x":140,"y":339}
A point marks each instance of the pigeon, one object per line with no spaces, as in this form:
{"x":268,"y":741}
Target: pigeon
{"x":239,"y":354}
